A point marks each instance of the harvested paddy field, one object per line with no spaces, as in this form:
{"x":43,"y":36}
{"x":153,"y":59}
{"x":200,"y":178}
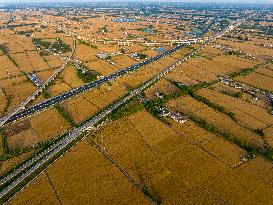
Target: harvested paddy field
{"x":21,"y":140}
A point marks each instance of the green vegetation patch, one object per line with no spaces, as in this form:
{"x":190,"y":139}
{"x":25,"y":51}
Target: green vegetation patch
{"x":58,"y":46}
{"x":4,"y":142}
{"x":87,"y":44}
{"x":131,"y":108}
{"x":87,"y":75}
{"x":8,"y":101}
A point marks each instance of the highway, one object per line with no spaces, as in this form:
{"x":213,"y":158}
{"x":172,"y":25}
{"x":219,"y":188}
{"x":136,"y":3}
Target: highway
{"x":24,"y":170}
{"x":24,"y":103}
{"x":21,"y":111}
{"x":20,"y":114}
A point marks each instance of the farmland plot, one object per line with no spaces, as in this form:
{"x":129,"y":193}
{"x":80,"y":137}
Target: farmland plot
{"x":85,"y":53}
{"x":190,"y":106}
{"x":38,"y":192}
{"x":7,"y":68}
{"x":48,"y":124}
{"x":101,"y":66}
{"x":156,"y":156}
{"x":80,"y":108}
{"x":69,"y":75}
{"x":248,"y":114}
{"x":239,"y":187}
{"x":53,"y":61}
{"x":268,"y":135}
{"x":163,"y":86}
{"x":258,"y":80}
{"x":101,"y":182}
{"x":259,"y":168}
{"x":19,"y":92}
{"x":3,"y":100}
{"x":21,"y":140}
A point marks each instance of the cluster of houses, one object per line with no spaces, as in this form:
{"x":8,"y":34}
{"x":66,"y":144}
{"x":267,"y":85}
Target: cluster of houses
{"x":230,"y":82}
{"x":51,"y":51}
{"x":228,"y":49}
{"x":255,"y":92}
{"x":137,"y":56}
{"x":166,"y":112}
{"x":246,"y":157}
{"x":159,"y":95}
{"x":267,"y":45}
{"x":108,"y":56}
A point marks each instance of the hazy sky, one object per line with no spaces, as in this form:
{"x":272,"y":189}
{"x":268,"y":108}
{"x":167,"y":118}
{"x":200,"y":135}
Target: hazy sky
{"x":212,"y":1}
